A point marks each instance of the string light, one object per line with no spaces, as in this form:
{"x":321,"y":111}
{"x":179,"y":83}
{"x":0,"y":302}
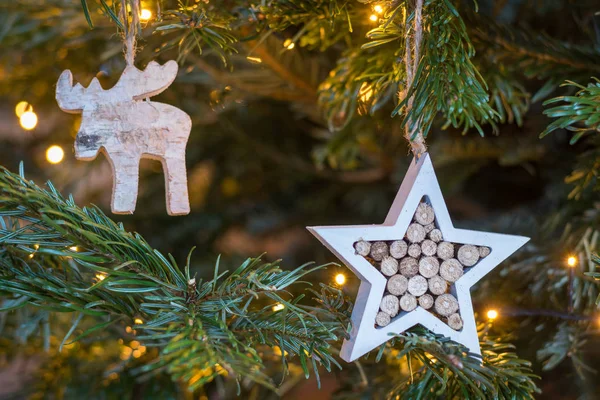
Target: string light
{"x":572,"y":261}
{"x":100,"y":276}
{"x":28,"y":120}
{"x":138,"y":321}
{"x":278,"y":307}
{"x":288,"y":44}
{"x":340,"y":279}
{"x":492,"y":314}
{"x":254,"y":60}
{"x":21,"y":107}
{"x":73,"y":248}
{"x":365,"y":92}
{"x":374,"y":18}
{"x":378,"y":9}
{"x":145,"y":14}
{"x":55,"y":154}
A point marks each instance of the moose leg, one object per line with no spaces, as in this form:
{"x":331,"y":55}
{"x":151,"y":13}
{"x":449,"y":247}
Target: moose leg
{"x":125,"y":187}
{"x":178,"y":202}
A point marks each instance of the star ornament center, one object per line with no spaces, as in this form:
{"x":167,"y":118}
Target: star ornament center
{"x":415,"y":268}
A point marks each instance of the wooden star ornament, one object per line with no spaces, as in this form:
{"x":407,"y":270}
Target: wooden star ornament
{"x":416,"y":267}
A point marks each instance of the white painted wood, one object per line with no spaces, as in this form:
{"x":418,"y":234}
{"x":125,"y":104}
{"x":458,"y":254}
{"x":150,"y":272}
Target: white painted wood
{"x":126,"y":128}
{"x":420,"y":181}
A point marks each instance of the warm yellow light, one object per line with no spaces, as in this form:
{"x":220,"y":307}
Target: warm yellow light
{"x":100,"y":276}
{"x":21,"y":108}
{"x":146,"y":14}
{"x":73,"y":248}
{"x":365,"y":92}
{"x":378,"y":9}
{"x":288,"y":44}
{"x":340,"y":279}
{"x":278,"y":307}
{"x":55,"y":154}
{"x":254,"y":60}
{"x":28,"y":120}
{"x":373,"y":17}
{"x":138,"y":321}
{"x":572,"y":261}
{"x":31,"y":255}
{"x":36,"y":246}
{"x":492,"y":314}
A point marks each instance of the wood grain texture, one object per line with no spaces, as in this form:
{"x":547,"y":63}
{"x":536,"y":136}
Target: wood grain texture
{"x":124,"y":125}
{"x":369,"y":332}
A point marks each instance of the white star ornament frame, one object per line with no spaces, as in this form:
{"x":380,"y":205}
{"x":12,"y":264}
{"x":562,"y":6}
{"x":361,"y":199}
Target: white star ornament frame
{"x":420,"y":181}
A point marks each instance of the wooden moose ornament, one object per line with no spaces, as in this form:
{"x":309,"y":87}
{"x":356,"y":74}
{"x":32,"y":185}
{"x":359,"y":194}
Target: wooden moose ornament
{"x":123,"y":124}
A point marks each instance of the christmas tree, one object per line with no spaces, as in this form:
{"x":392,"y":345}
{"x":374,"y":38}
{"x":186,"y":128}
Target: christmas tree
{"x":303,"y":113}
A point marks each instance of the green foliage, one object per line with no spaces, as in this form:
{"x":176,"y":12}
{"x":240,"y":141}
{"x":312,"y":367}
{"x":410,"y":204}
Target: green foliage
{"x":509,"y":98}
{"x":197,"y":325}
{"x":196,"y":30}
{"x":568,"y":342}
{"x":320,"y":24}
{"x":446,"y":81}
{"x":532,"y":53}
{"x":362,"y":78}
{"x":580,"y":114}
{"x":500,"y":374}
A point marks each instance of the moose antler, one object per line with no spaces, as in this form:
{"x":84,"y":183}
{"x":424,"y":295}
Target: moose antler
{"x":136,"y":84}
{"x":69,"y":97}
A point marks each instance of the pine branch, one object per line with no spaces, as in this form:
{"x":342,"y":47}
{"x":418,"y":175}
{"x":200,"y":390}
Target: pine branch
{"x":320,"y":23}
{"x":446,"y":81}
{"x":114,"y":275}
{"x":579,"y":114}
{"x":445,"y":368}
{"x":536,"y":55}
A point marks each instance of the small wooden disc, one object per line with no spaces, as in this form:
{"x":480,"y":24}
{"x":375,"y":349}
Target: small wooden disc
{"x":446,"y":304}
{"x":408,"y":302}
{"x":437,"y":285}
{"x":429,"y":227}
{"x":426,"y":301}
{"x":382,"y":318}
{"x":429,"y":266}
{"x":417,"y":285}
{"x":415,"y":233}
{"x":390,"y":305}
{"x":484,"y":251}
{"x":424,"y":214}
{"x":397,"y":285}
{"x":409,"y":267}
{"x":389,"y":266}
{"x":468,"y":255}
{"x":451,"y":270}
{"x":435,"y":235}
{"x":455,"y":322}
{"x":398,"y":249}
{"x":362,"y":248}
{"x":445,"y":250}
{"x":414,"y":250}
{"x":428,"y":247}
{"x":379,"y":250}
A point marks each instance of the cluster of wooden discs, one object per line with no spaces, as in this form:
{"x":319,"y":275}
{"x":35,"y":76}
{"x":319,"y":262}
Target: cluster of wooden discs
{"x":420,"y":269}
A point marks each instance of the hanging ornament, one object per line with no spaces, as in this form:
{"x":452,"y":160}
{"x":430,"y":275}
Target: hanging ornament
{"x":431,"y":286}
{"x":123,"y":124}
{"x":415,"y":268}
